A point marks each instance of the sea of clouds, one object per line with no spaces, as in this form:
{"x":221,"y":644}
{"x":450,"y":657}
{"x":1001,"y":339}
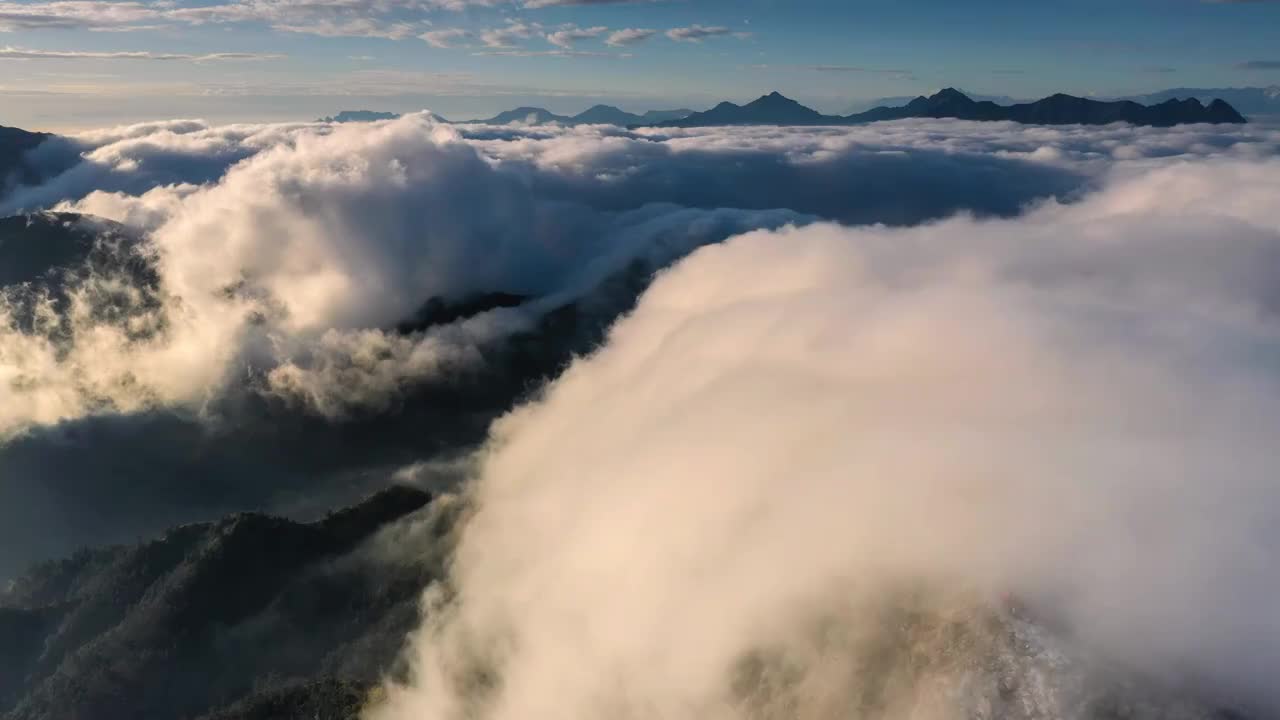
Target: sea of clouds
{"x":284,"y":257}
{"x":979,"y":358}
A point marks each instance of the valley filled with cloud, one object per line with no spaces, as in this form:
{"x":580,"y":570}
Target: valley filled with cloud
{"x":720,"y":406}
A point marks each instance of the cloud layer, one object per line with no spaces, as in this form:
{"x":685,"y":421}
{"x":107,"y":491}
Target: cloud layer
{"x":291,"y":246}
{"x":286,"y":314}
{"x":797,"y":428}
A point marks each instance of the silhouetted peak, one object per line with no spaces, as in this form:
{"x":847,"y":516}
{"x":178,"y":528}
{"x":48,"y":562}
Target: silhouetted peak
{"x":1222,"y":111}
{"x":950,"y":94}
{"x":774,"y":98}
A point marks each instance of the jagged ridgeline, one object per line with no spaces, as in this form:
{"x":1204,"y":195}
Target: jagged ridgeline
{"x":1059,"y":109}
{"x":776,"y":109}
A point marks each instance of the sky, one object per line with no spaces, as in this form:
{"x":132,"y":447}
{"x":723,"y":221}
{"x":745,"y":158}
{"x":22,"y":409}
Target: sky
{"x":70,"y":64}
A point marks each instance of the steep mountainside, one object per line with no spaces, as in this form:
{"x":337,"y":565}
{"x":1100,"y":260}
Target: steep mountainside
{"x":15,"y":168}
{"x":213,"y":613}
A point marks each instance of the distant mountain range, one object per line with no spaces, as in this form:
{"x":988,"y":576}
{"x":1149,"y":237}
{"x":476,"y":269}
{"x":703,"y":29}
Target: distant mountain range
{"x":900,"y":101}
{"x":1164,"y":109}
{"x":775,"y":109}
{"x":596,"y":115}
{"x":1248,"y":100}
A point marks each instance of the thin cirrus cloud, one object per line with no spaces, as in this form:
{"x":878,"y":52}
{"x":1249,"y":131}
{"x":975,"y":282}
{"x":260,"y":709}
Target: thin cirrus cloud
{"x":336,"y":18}
{"x":448,"y":38}
{"x":358,"y":27}
{"x":563,"y":3}
{"x":697,"y":33}
{"x":77,"y":15}
{"x":629,"y":36}
{"x":361,"y":18}
{"x":567,"y":36}
{"x":507,"y":39}
{"x":508,"y":35}
{"x":853,"y":70}
{"x":544,"y":53}
{"x":13,"y":53}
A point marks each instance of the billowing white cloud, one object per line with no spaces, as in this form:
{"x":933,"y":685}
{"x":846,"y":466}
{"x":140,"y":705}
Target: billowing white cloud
{"x":791,"y":479}
{"x":295,"y":262}
{"x":281,"y":241}
{"x":286,"y":256}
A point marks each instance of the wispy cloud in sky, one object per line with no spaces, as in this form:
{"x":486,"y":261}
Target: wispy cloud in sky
{"x":630,"y":36}
{"x":567,"y":36}
{"x":697,"y":33}
{"x":14,"y":53}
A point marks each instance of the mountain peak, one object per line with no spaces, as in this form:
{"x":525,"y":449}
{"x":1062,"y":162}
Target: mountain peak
{"x":775,"y":98}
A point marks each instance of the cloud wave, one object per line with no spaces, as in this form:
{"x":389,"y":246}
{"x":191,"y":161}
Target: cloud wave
{"x":278,"y":357}
{"x":797,"y":428}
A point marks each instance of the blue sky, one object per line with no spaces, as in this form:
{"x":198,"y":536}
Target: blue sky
{"x":79,"y":63}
